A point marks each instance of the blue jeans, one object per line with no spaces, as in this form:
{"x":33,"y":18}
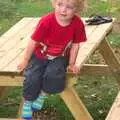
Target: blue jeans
{"x":46,"y":75}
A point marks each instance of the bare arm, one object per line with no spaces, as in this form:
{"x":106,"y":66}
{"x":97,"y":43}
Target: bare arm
{"x":73,"y":54}
{"x":72,"y":59}
{"x":27,"y":55}
{"x":29,"y":49}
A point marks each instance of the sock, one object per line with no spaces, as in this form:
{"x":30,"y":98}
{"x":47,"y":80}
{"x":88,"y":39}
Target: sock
{"x":38,"y":103}
{"x":27,"y":111}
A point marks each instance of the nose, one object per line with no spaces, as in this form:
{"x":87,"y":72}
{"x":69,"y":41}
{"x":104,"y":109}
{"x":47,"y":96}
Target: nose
{"x":63,"y":9}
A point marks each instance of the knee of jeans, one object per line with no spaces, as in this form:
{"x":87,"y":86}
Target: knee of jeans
{"x":53,"y":76}
{"x":48,"y":76}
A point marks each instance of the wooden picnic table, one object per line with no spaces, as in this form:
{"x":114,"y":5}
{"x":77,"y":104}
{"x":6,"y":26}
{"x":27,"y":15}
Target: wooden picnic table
{"x":14,"y":41}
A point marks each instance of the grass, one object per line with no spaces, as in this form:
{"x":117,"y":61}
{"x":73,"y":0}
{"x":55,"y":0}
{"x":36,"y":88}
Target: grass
{"x":34,"y":9}
{"x":97,"y":93}
{"x":114,"y":39}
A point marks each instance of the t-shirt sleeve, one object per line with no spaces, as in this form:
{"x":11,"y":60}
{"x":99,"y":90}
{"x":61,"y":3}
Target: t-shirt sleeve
{"x":40,"y":31}
{"x":80,"y":34}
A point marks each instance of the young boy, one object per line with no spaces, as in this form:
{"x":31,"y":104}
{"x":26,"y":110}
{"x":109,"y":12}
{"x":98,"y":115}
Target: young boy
{"x":45,"y":60}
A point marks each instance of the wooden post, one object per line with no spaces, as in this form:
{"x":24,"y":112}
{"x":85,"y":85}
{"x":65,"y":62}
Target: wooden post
{"x":110,"y":59}
{"x":75,"y":105}
{"x":2,"y":90}
{"x":20,"y":108}
{"x":114,"y":66}
{"x":114,"y":113}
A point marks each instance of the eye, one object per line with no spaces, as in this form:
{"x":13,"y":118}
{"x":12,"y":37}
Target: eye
{"x":59,"y":4}
{"x":70,"y":7}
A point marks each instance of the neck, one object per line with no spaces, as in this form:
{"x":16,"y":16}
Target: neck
{"x":63,"y":23}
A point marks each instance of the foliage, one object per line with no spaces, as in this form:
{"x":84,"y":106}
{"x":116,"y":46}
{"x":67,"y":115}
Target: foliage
{"x":114,"y":39}
{"x":103,"y":7}
{"x":17,"y":1}
{"x":33,"y":8}
{"x":7,"y":9}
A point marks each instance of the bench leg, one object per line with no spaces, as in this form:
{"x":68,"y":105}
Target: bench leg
{"x":20,"y":107}
{"x":75,"y":105}
{"x":2,"y":90}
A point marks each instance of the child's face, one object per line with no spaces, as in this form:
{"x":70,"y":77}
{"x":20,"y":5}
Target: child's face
{"x":64,"y":10}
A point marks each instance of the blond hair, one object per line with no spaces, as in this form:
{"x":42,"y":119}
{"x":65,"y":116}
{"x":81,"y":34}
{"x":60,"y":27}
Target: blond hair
{"x":80,"y":4}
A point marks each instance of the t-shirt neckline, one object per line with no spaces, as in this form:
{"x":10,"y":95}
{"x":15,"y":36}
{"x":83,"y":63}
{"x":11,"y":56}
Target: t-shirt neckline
{"x":59,"y":24}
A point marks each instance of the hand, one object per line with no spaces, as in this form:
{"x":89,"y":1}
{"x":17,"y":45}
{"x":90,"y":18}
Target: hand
{"x":22,"y":65}
{"x":73,"y":69}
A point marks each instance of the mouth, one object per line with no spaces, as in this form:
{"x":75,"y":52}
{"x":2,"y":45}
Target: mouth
{"x":63,"y":15}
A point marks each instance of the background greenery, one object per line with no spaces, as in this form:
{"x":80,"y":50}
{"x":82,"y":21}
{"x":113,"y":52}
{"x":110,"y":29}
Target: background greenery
{"x":97,"y":93}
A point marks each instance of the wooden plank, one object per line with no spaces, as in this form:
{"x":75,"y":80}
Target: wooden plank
{"x":110,"y":59}
{"x":9,"y":119}
{"x":22,"y":29}
{"x":87,"y":69}
{"x":10,"y":73}
{"x":71,"y":80}
{"x":11,"y":78}
{"x":114,"y":113}
{"x":108,"y":54}
{"x":20,"y":108}
{"x":9,"y":57}
{"x":18,"y":37}
{"x":95,"y":70}
{"x":114,"y":66}
{"x":87,"y":49}
{"x":9,"y":81}
{"x":11,"y":66}
{"x":5,"y":92}
{"x":14,"y":30}
{"x":75,"y":105}
{"x":16,"y":50}
{"x":89,"y":30}
{"x":2,"y":89}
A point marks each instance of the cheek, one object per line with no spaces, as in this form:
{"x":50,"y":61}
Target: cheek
{"x":71,"y":13}
{"x":57,"y":9}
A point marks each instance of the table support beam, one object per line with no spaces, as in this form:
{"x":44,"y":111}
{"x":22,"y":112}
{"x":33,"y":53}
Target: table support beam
{"x":75,"y":105}
{"x":110,"y":59}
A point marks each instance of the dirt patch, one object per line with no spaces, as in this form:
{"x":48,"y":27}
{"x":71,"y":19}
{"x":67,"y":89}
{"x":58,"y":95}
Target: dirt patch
{"x":45,"y":114}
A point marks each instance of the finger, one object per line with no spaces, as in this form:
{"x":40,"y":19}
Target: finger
{"x":19,"y":68}
{"x":70,"y":70}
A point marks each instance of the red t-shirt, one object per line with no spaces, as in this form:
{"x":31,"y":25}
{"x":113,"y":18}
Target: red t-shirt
{"x":56,"y":37}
